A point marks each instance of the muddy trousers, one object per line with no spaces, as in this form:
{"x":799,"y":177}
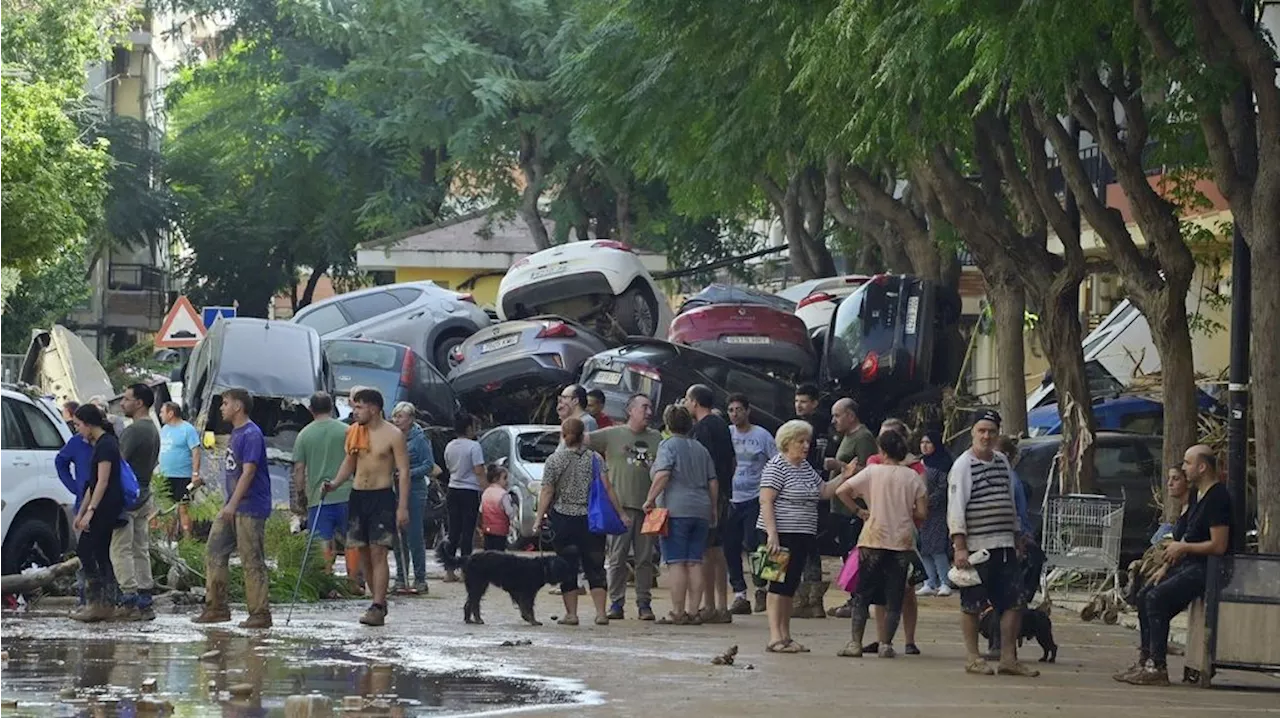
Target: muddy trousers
{"x":131,"y":555}
{"x":1158,"y":604}
{"x":464,"y":512}
{"x":245,"y":536}
{"x":94,"y":550}
{"x":625,"y":546}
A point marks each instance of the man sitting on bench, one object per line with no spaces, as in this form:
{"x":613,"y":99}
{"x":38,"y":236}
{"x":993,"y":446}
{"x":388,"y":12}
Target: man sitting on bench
{"x":1208,"y":533}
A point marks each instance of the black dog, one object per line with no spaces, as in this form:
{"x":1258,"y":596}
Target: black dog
{"x":1035,"y":624}
{"x":519,"y":576}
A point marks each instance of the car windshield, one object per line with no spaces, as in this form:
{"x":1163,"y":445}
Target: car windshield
{"x":365,"y":354}
{"x":536,"y":447}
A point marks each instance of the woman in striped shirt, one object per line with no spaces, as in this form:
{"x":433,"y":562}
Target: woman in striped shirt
{"x":789,"y":494}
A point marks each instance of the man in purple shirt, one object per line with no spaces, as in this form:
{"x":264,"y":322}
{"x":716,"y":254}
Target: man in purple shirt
{"x":241,"y":524}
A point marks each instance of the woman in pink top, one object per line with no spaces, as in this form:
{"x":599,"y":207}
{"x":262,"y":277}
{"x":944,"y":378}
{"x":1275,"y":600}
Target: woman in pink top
{"x":895,"y":496}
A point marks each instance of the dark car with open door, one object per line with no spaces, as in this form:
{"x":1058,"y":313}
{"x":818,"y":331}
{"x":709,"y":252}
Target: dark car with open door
{"x":891,"y":343}
{"x":395,"y":370}
{"x":664,"y":371}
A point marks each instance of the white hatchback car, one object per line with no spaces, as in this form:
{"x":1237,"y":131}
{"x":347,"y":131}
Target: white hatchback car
{"x":817,"y":306}
{"x":36,"y":518}
{"x":595,"y":282}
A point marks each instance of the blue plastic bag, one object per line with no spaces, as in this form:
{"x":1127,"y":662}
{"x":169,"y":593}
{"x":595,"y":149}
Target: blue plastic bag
{"x":129,"y":485}
{"x":602,"y":518}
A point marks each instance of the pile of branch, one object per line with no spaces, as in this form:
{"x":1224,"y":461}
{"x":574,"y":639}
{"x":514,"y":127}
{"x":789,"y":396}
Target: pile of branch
{"x":30,"y":581}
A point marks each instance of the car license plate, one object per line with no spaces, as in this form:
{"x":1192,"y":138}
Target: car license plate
{"x":746,"y":340}
{"x":549,"y":271}
{"x":500,"y":343}
{"x":607,"y":378}
{"x":913,"y":313}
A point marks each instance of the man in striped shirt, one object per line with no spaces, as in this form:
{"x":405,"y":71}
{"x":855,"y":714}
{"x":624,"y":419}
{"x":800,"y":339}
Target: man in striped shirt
{"x":982,"y":516}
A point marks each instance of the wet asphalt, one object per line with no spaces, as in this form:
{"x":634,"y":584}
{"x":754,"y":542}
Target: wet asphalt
{"x":425,"y":661}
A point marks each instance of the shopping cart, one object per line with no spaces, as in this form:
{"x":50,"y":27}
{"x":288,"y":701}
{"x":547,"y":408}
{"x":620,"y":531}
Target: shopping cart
{"x":1081,"y":541}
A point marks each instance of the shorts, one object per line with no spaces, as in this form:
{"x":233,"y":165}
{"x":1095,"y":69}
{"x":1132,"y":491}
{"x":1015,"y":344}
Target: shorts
{"x":178,"y":488}
{"x":371,"y":518}
{"x":878,"y":571}
{"x":1001,"y":584}
{"x":686,"y":540}
{"x":328,"y":520}
{"x":801,"y":547}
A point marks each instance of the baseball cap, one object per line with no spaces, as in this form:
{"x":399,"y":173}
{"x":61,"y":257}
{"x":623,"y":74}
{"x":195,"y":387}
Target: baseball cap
{"x":990,"y":415}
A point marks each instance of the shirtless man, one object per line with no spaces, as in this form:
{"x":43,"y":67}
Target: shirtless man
{"x":376,"y":452}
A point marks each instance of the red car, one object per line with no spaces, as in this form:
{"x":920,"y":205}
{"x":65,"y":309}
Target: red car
{"x":768,"y":339}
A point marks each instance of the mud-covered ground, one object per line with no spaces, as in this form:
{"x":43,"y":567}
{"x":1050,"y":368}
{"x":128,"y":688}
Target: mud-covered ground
{"x":425,"y":661}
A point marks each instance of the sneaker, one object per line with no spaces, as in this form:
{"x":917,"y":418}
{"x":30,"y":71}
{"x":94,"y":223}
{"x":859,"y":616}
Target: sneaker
{"x":94,"y":613}
{"x":645,"y":613}
{"x":1124,"y":675}
{"x":126,"y":613}
{"x":421,"y":587}
{"x":944,"y":591}
{"x":741,"y":606}
{"x":259,"y":621}
{"x":924,"y":590}
{"x":850,"y":650}
{"x":979,"y":667}
{"x":1149,"y":675}
{"x":911,"y":649}
{"x":375,"y":616}
{"x":146,"y":613}
{"x":886,"y":651}
{"x":1018,"y":668}
{"x":210,"y":615}
{"x":615,"y":612}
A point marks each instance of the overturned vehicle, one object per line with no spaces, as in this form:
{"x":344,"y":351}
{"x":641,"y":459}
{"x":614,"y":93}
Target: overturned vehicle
{"x":280,"y":364}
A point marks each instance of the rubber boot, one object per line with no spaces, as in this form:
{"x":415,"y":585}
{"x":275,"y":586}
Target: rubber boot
{"x":817,"y":592}
{"x":216,"y":609}
{"x":761,"y":596}
{"x":800,"y":602}
{"x":98,"y":611}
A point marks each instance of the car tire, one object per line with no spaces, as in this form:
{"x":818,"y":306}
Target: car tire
{"x":30,"y":536}
{"x":443,"y":350}
{"x":636,"y":311}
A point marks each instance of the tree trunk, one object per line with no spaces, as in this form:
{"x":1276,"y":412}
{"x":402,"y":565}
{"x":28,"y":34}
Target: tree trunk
{"x":1008,"y":306}
{"x":1264,"y":370}
{"x":532,"y":166}
{"x":309,"y":291}
{"x":28,"y":582}
{"x":1060,"y":329}
{"x":622,"y":204}
{"x":1171,"y":334}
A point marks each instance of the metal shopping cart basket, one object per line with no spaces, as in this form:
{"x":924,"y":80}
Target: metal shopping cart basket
{"x":1081,"y":541}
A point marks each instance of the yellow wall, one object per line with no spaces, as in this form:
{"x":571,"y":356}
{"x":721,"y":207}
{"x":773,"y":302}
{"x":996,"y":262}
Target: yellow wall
{"x":485,"y":289}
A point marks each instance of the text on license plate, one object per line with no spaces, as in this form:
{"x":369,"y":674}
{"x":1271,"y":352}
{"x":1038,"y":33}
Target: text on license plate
{"x":549,"y":270}
{"x":607,"y":378}
{"x":913,"y":313}
{"x":500,"y":343}
{"x":746,"y":340}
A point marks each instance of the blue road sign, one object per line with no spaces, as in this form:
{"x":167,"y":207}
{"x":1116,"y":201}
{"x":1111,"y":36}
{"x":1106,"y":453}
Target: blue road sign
{"x":211,"y":314}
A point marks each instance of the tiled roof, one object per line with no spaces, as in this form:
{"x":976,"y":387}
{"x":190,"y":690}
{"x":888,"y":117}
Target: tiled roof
{"x":476,"y":232}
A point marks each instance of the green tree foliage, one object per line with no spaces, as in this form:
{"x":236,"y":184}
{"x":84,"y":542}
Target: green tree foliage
{"x":46,"y":292}
{"x":53,"y":175}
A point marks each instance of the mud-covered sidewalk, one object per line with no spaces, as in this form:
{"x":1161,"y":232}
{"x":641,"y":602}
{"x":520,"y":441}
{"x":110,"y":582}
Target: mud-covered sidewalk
{"x":425,"y":661}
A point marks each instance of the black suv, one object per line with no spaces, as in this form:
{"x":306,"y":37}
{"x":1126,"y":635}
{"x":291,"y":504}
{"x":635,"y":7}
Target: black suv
{"x":1125,"y":465}
{"x":664,"y":372}
{"x":892,"y":344}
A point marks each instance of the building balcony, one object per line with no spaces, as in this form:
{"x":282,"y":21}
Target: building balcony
{"x":137,"y":297}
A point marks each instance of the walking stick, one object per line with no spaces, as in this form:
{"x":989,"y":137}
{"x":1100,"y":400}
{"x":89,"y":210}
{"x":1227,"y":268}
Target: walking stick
{"x":306,"y":554}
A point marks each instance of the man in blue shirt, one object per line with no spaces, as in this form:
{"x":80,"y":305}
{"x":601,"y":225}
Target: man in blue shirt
{"x":179,"y":459}
{"x":242,"y":522}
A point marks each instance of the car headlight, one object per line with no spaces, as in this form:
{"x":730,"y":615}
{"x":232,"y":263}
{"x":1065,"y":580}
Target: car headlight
{"x":535,"y":487}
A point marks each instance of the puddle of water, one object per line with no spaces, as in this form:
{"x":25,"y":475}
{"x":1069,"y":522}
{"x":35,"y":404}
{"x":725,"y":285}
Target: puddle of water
{"x":103,"y":677}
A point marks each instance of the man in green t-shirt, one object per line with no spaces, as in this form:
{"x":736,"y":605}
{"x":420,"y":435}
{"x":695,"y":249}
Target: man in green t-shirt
{"x":317,"y":455}
{"x":857,"y":444}
{"x":629,"y":450}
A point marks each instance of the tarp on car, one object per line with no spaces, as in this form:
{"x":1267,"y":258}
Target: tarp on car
{"x":62,"y":365}
{"x":269,"y":359}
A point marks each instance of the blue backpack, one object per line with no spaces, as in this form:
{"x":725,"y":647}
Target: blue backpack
{"x":128,"y":484}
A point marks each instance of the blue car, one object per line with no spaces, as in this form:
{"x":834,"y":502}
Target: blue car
{"x":1134,"y":414}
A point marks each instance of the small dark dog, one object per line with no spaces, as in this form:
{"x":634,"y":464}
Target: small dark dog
{"x":519,"y":576}
{"x":1035,"y":624}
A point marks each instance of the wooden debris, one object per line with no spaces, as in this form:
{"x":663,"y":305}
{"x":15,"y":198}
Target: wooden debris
{"x":518,"y":642}
{"x":149,"y":685}
{"x":211,"y":655}
{"x":32,"y":580}
{"x":242,"y":690}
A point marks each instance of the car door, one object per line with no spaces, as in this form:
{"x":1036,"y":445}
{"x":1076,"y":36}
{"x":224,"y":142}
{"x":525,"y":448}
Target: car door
{"x":18,"y":462}
{"x":365,"y":312}
{"x":1125,"y":467}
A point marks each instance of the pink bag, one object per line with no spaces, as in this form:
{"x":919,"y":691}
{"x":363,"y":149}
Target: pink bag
{"x":848,"y":580}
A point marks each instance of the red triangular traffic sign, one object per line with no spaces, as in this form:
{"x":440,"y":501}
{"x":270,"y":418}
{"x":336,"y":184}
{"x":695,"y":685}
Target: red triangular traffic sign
{"x":182,"y":328}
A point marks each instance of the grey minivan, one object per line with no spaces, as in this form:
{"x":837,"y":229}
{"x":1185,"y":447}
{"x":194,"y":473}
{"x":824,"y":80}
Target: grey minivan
{"x":428,"y":318}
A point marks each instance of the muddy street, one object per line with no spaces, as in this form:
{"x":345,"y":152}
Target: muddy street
{"x":425,"y":661}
